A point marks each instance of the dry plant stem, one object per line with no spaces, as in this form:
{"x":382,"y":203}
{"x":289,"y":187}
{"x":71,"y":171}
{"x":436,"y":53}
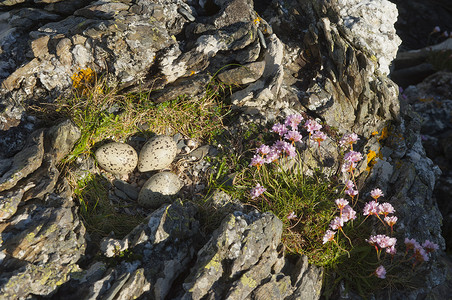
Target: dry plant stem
{"x":337,"y":244}
{"x":346,"y":236}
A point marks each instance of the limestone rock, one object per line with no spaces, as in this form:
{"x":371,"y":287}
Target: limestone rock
{"x":243,"y":244}
{"x":158,"y":189}
{"x":158,"y":153}
{"x":117,"y":158}
{"x":25,"y":162}
{"x":244,"y":74}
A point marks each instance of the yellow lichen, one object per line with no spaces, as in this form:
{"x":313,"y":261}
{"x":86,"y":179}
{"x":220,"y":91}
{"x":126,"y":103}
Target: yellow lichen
{"x":83,"y":79}
{"x":372,"y":159}
{"x":248,"y":281}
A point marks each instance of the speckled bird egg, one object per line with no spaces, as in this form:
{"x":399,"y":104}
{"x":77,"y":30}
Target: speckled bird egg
{"x":158,"y":153}
{"x":117,"y":158}
{"x":159,"y":189}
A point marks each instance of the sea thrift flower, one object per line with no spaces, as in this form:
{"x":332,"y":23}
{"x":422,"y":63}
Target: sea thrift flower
{"x":391,"y":250}
{"x":293,"y":136}
{"x":351,"y":192}
{"x":263,"y":150}
{"x":353,"y":156}
{"x":293,"y":121}
{"x":391,"y":220}
{"x":376,"y":193}
{"x":380,"y":272}
{"x":279,"y":129}
{"x":318,"y":137}
{"x":257,"y":161}
{"x":411,"y":243}
{"x":437,"y":29}
{"x":341,"y":203}
{"x":257,"y":191}
{"x":312,"y":125}
{"x":289,"y":149}
{"x":272,"y":156}
{"x":337,"y":223}
{"x":385,"y":209}
{"x":420,"y":254}
{"x":291,"y":216}
{"x":383,"y":241}
{"x":348,"y":213}
{"x":348,"y":166}
{"x":348,"y":139}
{"x":349,"y":184}
{"x":430,"y":246}
{"x":329,"y":236}
{"x":371,"y":208}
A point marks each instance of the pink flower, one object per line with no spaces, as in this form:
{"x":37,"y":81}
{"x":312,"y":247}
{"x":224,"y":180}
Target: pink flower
{"x":376,"y":193}
{"x":383,"y":241}
{"x":329,"y":236}
{"x":391,"y":250}
{"x":420,"y":254}
{"x":437,"y":29}
{"x":257,"y":191}
{"x":312,"y":125}
{"x":337,"y":223}
{"x":348,"y":166}
{"x":411,"y":243}
{"x":351,"y":192}
{"x":385,"y":209}
{"x":349,"y":184}
{"x":353,"y":156}
{"x":348,"y":139}
{"x":391,"y":220}
{"x":289,"y":150}
{"x":291,"y":216}
{"x":380,"y":272}
{"x":318,"y":137}
{"x":279,"y":129}
{"x":430,"y":246}
{"x":293,"y":121}
{"x":263,"y":150}
{"x":272,"y":156}
{"x":348,"y":213}
{"x":371,"y":208}
{"x":293,"y":136}
{"x":341,"y":203}
{"x":257,"y":161}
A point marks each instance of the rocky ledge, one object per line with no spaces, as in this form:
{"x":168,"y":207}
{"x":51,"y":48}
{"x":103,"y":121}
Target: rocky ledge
{"x":328,"y":59}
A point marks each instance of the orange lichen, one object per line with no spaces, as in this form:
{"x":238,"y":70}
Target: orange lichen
{"x":372,"y":158}
{"x":83,"y":79}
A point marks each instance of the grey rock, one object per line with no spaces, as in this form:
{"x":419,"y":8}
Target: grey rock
{"x":130,"y":190}
{"x":243,"y":74}
{"x":61,"y":139}
{"x":241,"y":242}
{"x":159,"y":189}
{"x":112,"y":247}
{"x":25,"y":162}
{"x":158,"y":153}
{"x":117,"y":158}
{"x":41,"y":244}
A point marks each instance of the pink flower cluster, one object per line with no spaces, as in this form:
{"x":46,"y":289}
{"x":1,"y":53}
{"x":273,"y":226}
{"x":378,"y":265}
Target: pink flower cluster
{"x":257,"y":191}
{"x":420,"y":253}
{"x":346,"y":214}
{"x":289,"y":131}
{"x":384,"y":242}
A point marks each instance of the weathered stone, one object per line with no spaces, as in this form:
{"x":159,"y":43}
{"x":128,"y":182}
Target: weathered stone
{"x":43,"y":180}
{"x":25,"y":162}
{"x":112,"y":247}
{"x":61,"y":138}
{"x":40,"y":47}
{"x":244,"y":74}
{"x":238,"y":244}
{"x":41,"y":245}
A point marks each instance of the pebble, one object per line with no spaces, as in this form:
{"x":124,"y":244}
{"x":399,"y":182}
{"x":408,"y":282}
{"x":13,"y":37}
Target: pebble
{"x":127,"y":188}
{"x":158,"y":153}
{"x":117,"y":158}
{"x":159,"y":189}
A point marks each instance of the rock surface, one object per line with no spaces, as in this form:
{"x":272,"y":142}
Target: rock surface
{"x":327,"y":59}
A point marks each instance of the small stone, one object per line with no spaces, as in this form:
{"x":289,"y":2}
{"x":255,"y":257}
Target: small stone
{"x":158,"y":153}
{"x":159,"y":189}
{"x":130,"y":190}
{"x":117,"y":158}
